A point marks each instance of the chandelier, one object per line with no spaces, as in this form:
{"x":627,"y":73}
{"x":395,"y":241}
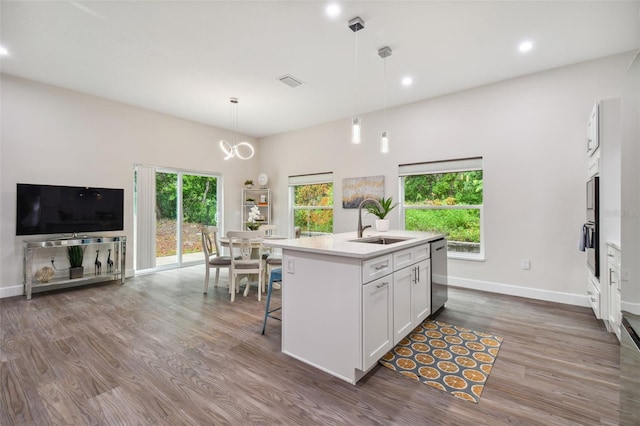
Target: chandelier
{"x":242,"y":150}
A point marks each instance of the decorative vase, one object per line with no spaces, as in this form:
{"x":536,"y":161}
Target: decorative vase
{"x":382,"y":225}
{"x":76,"y":272}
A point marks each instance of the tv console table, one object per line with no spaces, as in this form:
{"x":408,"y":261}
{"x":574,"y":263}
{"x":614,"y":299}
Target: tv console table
{"x":39,"y":249}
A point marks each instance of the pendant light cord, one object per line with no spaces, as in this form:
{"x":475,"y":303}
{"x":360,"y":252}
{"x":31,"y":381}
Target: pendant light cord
{"x":355,"y":78}
{"x":384,"y":96}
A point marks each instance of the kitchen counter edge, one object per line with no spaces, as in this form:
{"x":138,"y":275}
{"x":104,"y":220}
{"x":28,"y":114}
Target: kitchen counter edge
{"x":341,"y":244}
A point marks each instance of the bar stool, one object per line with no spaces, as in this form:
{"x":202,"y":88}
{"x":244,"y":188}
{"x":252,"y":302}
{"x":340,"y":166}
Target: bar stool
{"x":275,"y":275}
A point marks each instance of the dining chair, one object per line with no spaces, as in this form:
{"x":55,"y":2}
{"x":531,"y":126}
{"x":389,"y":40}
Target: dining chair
{"x":212,"y":254}
{"x":269,"y":229}
{"x":246,"y":259}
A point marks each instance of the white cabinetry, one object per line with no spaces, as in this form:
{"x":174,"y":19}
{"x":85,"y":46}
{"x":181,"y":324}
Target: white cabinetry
{"x":593,"y":142}
{"x":593,"y":292}
{"x":411,"y":289}
{"x":260,"y":198}
{"x":613,"y":279}
{"x":377,"y":319}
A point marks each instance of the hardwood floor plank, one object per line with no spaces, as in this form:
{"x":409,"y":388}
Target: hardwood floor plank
{"x":156,"y":350}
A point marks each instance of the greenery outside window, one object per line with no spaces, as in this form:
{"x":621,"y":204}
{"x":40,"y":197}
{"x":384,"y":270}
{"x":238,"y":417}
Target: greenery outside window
{"x":446,"y":197}
{"x":311,"y":204}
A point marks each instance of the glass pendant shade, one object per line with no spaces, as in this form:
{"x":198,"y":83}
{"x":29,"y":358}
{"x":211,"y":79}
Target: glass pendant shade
{"x":384,"y":143}
{"x":355,"y":131}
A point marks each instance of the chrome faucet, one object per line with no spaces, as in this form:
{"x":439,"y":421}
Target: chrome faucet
{"x":360,"y":227}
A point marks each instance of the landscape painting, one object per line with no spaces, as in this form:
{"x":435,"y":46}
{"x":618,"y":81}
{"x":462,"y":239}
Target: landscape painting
{"x":354,"y":190}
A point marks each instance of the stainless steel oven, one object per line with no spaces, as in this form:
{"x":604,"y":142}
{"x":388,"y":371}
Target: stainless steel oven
{"x":630,"y":370}
{"x":590,"y":230}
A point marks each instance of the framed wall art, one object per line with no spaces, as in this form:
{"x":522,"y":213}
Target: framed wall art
{"x":354,"y":190}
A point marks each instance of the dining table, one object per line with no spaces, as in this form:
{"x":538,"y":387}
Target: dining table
{"x":255,"y":242}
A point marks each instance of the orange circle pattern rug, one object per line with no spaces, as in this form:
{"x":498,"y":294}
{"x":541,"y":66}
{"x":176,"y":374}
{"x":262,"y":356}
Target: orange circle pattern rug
{"x":447,"y":357}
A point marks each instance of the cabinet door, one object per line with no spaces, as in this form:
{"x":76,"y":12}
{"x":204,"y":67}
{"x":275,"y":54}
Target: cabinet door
{"x":403,"y":281}
{"x":422,"y":291}
{"x":377,"y":320}
{"x":614,"y":298}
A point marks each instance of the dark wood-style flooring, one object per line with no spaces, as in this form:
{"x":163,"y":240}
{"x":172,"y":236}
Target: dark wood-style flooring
{"x":157,"y":351}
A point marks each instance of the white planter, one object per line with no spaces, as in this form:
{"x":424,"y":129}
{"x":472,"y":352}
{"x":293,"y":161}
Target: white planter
{"x":382,"y":225}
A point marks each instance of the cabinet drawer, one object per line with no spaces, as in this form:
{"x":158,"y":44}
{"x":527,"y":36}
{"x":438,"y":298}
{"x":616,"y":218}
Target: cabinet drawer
{"x":406,"y":257}
{"x":613,"y":254}
{"x":377,"y":267}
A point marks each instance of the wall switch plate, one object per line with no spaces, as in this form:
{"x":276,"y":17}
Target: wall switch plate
{"x":291,"y":266}
{"x":624,"y":274}
{"x":526,"y":264}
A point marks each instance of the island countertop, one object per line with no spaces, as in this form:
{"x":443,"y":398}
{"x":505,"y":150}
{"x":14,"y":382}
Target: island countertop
{"x":343,"y":245}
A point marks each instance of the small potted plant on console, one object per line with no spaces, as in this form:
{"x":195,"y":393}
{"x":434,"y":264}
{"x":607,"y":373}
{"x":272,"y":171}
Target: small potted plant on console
{"x":76,"y":256}
{"x":382,"y":224}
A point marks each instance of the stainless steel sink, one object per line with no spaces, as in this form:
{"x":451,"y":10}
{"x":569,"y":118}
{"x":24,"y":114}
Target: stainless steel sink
{"x":381,"y":240}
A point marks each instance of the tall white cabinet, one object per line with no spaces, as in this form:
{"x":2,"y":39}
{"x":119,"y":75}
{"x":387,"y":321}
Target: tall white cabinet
{"x":604,"y":154}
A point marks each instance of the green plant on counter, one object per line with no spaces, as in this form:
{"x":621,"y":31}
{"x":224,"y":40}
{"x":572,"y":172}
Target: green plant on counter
{"x":75,"y":255}
{"x":386,"y":204}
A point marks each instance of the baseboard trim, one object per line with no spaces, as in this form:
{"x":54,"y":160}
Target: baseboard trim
{"x":528,"y":292}
{"x":16,"y":290}
{"x":531,"y":293}
{"x":632,"y":308}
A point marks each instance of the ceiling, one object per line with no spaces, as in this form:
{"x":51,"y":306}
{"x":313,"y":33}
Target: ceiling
{"x":187,"y":58}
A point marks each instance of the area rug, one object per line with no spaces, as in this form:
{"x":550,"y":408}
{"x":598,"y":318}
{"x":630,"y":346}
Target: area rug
{"x":447,"y":357}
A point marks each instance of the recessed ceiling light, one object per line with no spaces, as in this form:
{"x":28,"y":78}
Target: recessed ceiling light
{"x":333,"y":10}
{"x":407,"y":81}
{"x":525,"y":46}
{"x":3,"y":51}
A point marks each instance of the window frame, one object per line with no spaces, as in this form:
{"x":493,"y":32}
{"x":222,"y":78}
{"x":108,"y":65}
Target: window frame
{"x":441,"y":167}
{"x":304,"y":180}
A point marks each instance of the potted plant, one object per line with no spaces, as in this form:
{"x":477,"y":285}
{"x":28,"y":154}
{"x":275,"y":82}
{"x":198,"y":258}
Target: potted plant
{"x":248,"y":183}
{"x":76,"y":256}
{"x":382,"y":224}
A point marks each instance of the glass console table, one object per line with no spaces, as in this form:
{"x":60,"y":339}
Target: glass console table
{"x":45,"y":249}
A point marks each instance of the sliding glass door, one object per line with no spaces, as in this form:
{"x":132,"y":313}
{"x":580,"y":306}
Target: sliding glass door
{"x":171,"y":207}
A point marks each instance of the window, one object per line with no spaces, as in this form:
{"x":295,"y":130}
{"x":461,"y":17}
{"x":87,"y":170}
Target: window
{"x":311,"y":204}
{"x":445,"y":196}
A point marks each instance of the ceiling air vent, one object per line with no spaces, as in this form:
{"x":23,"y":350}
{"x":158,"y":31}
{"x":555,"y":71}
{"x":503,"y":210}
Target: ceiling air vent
{"x":290,"y":81}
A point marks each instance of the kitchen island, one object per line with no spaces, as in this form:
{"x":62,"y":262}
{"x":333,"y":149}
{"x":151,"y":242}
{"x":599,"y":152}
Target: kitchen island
{"x":346,"y":301}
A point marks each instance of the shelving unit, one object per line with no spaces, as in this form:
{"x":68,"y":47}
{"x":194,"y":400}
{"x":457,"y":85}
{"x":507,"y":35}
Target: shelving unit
{"x":260,"y":197}
{"x":32,"y":249}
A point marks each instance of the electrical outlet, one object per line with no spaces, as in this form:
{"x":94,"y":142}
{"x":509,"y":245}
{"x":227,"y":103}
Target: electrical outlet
{"x":53,"y":259}
{"x":526,"y":264}
{"x":291,"y":266}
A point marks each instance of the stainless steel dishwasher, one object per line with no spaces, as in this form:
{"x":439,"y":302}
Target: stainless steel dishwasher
{"x":630,"y":370}
{"x":439,"y":293}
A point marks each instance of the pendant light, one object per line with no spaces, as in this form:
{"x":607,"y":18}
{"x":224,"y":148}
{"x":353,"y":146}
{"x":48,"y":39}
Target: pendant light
{"x":356,"y":24}
{"x":242,"y":150}
{"x":384,"y":52}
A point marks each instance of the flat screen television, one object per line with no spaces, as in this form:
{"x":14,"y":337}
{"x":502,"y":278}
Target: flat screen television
{"x":52,"y":209}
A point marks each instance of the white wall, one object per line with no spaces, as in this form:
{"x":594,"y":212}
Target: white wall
{"x":56,"y":136}
{"x":531,"y":133}
{"x":630,"y":208}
